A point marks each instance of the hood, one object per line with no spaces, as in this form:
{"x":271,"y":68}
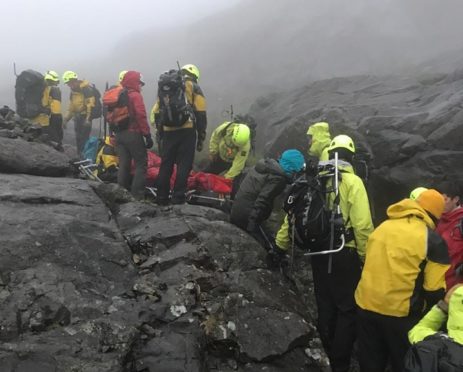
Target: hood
{"x":321,"y":138}
{"x":455,"y":320}
{"x":270,"y":166}
{"x":452,"y":216}
{"x":131,"y":80}
{"x":408,"y":207}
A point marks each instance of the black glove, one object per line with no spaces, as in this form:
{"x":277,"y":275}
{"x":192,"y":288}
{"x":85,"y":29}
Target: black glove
{"x":277,"y":258}
{"x":148,"y":141}
{"x":199,"y":146}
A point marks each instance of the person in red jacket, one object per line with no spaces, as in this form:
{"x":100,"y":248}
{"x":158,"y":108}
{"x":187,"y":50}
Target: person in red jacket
{"x":132,"y":142}
{"x":450,"y":228}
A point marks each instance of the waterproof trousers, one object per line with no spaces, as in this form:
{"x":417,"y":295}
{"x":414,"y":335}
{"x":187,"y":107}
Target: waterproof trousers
{"x":178,"y":147}
{"x":217,"y":166}
{"x":82,"y":132}
{"x":130,"y":145}
{"x":382,"y":339}
{"x":334,"y":294}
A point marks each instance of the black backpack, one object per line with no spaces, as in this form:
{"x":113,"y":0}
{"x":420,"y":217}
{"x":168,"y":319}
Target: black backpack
{"x":29,"y":89}
{"x":436,"y":353}
{"x":310,"y":218}
{"x":174,"y":109}
{"x":97,"y":110}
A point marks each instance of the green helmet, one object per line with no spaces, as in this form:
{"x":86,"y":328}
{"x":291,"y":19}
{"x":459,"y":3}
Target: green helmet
{"x":342,"y":141}
{"x":122,"y":74}
{"x":241,"y":135}
{"x":68,"y":76}
{"x":192,"y":69}
{"x":417,"y":192}
{"x":52,"y":75}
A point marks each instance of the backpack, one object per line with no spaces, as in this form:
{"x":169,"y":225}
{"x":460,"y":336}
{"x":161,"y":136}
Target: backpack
{"x":29,"y":89}
{"x":436,"y":353}
{"x":97,"y":110}
{"x":174,"y":109}
{"x":116,"y":108}
{"x":310,"y":218}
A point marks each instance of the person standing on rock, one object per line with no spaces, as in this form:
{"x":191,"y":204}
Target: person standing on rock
{"x":84,"y":106}
{"x":262,"y":184}
{"x":178,"y":133}
{"x":334,"y":289}
{"x":51,"y":119}
{"x":403,"y":276}
{"x":132,"y":141}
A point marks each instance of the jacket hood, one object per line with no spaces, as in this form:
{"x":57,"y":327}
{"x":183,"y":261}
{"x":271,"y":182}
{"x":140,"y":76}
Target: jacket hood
{"x":270,"y":166}
{"x":131,"y":80}
{"x":409,"y":208}
{"x":455,"y":320}
{"x":321,"y":138}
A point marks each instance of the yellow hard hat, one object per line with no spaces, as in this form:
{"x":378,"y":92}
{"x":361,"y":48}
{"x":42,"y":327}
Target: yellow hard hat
{"x":417,"y":192}
{"x":192,"y":69}
{"x":52,"y":75}
{"x":342,"y":141}
{"x":68,"y":76}
{"x":122,"y":74}
{"x":241,"y":135}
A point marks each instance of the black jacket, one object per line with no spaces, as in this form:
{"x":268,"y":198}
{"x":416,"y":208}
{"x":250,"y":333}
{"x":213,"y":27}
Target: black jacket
{"x":260,"y":187}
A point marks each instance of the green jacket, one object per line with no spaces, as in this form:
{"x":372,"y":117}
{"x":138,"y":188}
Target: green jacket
{"x":221,"y":145}
{"x":355,"y":212}
{"x":433,"y":321}
{"x":321,"y":139}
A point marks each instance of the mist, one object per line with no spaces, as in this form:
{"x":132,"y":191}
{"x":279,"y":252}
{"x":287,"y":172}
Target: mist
{"x":244,"y":49}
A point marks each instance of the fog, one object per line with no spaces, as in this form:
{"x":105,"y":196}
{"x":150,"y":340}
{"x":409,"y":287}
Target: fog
{"x":244,"y":49}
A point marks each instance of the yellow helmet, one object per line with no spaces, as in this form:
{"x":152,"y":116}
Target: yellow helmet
{"x":342,"y":141}
{"x":241,"y":135}
{"x":192,"y":69}
{"x":52,"y":75}
{"x":68,"y":76}
{"x":417,"y":192}
{"x":122,"y":74}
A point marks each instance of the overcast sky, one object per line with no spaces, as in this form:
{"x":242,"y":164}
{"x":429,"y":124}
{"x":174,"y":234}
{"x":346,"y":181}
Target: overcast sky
{"x":47,"y":34}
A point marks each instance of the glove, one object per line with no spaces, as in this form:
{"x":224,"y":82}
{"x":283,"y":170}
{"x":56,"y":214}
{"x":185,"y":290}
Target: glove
{"x":444,"y":306}
{"x":148,"y":141}
{"x":252,"y":226}
{"x":277,"y":257}
{"x":199,"y":146}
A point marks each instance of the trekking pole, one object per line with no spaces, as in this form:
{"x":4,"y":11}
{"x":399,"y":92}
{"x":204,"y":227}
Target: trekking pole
{"x":105,"y":123}
{"x":14,"y":69}
{"x":336,"y":211}
{"x":231,"y":112}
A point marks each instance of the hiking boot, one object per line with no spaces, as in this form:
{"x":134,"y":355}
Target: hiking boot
{"x":178,"y":200}
{"x":162,"y":202}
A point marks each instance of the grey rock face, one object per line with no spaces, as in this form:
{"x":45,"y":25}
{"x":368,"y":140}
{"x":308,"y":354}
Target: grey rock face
{"x":410,"y":125}
{"x":91,"y":280}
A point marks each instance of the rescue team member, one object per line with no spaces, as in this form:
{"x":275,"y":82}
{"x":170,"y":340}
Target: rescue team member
{"x":334,"y":291}
{"x":132,"y":142}
{"x":178,"y":143}
{"x":81,"y":104}
{"x":229,"y":149}
{"x":51,"y":119}
{"x":404,"y":273}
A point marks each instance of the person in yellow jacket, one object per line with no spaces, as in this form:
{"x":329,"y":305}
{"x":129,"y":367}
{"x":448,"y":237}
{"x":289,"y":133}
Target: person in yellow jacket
{"x":178,"y":143}
{"x":229,"y":149}
{"x":432,"y":349}
{"x":404,"y":274}
{"x":319,"y":139}
{"x":81,"y":107}
{"x":51,"y":119}
{"x":107,"y":160}
{"x":334,"y":291}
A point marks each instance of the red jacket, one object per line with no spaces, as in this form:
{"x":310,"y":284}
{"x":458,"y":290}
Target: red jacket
{"x":137,"y":110}
{"x":448,"y":229}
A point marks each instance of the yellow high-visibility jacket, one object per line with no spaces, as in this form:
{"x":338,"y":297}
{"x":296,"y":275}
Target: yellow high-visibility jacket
{"x":405,"y":264}
{"x":81,"y":101}
{"x":51,"y":102}
{"x":221,"y":144}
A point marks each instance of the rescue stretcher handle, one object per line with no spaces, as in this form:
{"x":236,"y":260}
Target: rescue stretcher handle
{"x":329,"y":251}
